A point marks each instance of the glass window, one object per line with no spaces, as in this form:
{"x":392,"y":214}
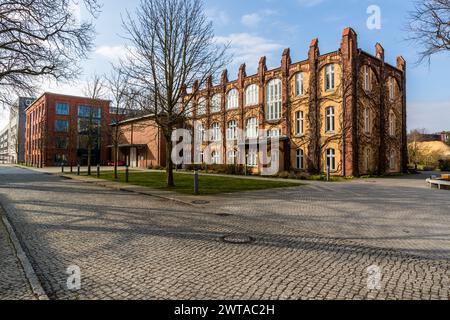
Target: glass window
{"x":62,"y":109}
{"x":392,"y":160}
{"x":215,"y":134}
{"x":331,"y":159}
{"x":273,"y":133}
{"x":201,"y":110}
{"x":216,"y":102}
{"x":274,"y":100}
{"x":366,"y":120}
{"x":299,"y":123}
{"x":366,"y":78}
{"x":61,"y":126}
{"x":367,"y":160}
{"x":232,"y":99}
{"x":86,"y":126}
{"x":231,"y":157}
{"x":330,"y":118}
{"x":392,"y":126}
{"x":300,"y":157}
{"x":252,"y":158}
{"x":251,"y":95}
{"x":89,"y":112}
{"x":61,"y":143}
{"x":231,"y":130}
{"x":200,"y":133}
{"x":391,"y":88}
{"x":329,"y":77}
{"x":215,"y":157}
{"x":299,"y":84}
{"x":252,"y":128}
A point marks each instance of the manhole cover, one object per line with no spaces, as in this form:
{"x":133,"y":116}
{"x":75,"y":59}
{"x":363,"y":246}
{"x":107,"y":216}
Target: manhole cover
{"x":237,"y":239}
{"x":200,"y":202}
{"x":223,"y":215}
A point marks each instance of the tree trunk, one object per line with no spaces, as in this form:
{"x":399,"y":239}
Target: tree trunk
{"x":169,"y":163}
{"x":116,"y":152}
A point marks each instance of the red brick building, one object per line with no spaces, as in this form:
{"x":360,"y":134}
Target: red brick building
{"x":61,"y":129}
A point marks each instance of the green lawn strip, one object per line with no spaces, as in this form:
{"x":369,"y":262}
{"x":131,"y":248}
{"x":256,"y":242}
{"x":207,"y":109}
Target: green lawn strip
{"x":185,"y":182}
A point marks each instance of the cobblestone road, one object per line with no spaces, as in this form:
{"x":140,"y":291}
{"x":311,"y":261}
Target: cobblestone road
{"x":131,"y":246}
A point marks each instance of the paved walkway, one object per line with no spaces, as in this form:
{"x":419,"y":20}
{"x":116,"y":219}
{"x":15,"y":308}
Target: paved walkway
{"x":13,"y":282}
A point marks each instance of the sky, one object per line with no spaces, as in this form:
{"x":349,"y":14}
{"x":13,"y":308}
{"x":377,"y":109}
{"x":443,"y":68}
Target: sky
{"x":258,"y":28}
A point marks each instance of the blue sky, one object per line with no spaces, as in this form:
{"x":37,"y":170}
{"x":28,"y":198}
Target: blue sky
{"x":265,"y":27}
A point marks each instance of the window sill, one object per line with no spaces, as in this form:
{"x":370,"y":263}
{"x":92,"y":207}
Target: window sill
{"x":330,"y":132}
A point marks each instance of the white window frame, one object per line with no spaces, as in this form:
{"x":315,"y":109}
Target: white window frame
{"x":252,"y":158}
{"x":215,"y":157}
{"x":331,"y":159}
{"x":251,"y":128}
{"x":200,"y":135}
{"x":215,"y":132}
{"x":231,"y":156}
{"x":330,"y":118}
{"x":300,"y":159}
{"x":252,"y":95}
{"x":274,"y":99}
{"x":216,"y":102}
{"x":299,"y":123}
{"x":366,"y":78}
{"x":201,"y":106}
{"x":299,"y":84}
{"x":232,"y":99}
{"x":329,"y":77}
{"x":273,"y":133}
{"x":391,"y":89}
{"x":232,"y":130}
{"x":366,"y":120}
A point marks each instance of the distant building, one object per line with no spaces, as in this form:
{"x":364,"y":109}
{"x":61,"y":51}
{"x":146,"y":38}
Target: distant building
{"x":4,"y":137}
{"x":60,"y":129}
{"x":445,"y":137}
{"x":17,"y":122}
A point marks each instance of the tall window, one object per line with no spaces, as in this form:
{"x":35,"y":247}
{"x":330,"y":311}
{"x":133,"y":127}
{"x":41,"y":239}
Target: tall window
{"x":231,"y":157}
{"x":215,"y":133}
{"x":61,"y":126}
{"x":329,"y":77}
{"x":200,"y":133}
{"x":252,"y":128}
{"x":366,"y":78}
{"x":299,"y":123}
{"x":251,"y":95}
{"x":189,"y":109}
{"x":392,"y":160}
{"x":215,"y":103}
{"x":300,"y":157}
{"x":62,"y":109}
{"x":391,"y":88}
{"x":215,"y":157}
{"x":201,"y":108}
{"x":252,"y":158}
{"x":330,"y":118}
{"x":61,"y":143}
{"x":299,"y":84}
{"x":367,"y":160}
{"x":366,"y":120}
{"x":231,"y":130}
{"x":273,"y":133}
{"x":331,"y":159}
{"x":232,"y":99}
{"x":392,"y":127}
{"x":274,"y":99}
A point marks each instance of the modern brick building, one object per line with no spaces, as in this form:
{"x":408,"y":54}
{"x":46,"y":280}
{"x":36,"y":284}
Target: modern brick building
{"x":140,"y":143}
{"x":4,"y":146}
{"x":344,"y":109}
{"x":60,"y":129}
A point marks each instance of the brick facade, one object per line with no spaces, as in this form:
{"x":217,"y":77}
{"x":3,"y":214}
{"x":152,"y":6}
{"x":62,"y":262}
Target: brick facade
{"x":41,"y":143}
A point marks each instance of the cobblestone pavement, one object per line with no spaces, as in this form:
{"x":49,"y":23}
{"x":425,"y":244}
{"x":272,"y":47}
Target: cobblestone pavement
{"x":131,"y":246}
{"x":13,"y":282}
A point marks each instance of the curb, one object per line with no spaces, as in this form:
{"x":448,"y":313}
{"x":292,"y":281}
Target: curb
{"x":30,"y":274}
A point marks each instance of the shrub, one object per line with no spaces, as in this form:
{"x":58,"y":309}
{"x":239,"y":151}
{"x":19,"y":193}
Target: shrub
{"x":444,"y":165}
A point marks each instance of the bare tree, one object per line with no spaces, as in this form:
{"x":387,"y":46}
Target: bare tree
{"x":173,"y":49}
{"x":430,"y":27}
{"x":91,"y":126}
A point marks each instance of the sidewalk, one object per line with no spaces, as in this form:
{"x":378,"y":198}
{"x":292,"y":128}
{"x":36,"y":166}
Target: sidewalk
{"x":14,"y":284}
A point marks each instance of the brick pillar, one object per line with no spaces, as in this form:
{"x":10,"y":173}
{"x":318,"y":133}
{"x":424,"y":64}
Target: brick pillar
{"x":285,"y":107}
{"x":401,"y":64}
{"x":223,"y":83}
{"x":379,"y":53}
{"x":349,"y":47}
{"x":262,"y":69}
{"x":313,"y":112}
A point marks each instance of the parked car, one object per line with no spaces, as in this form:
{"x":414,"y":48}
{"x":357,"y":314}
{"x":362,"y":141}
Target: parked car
{"x":120,"y":163}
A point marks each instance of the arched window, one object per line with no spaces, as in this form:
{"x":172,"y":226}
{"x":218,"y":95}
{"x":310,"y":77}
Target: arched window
{"x":215,"y":132}
{"x":231,"y":156}
{"x":392,"y":160}
{"x":331,"y":159}
{"x":329,"y":77}
{"x":252,"y":158}
{"x":252,"y":128}
{"x":189,"y":109}
{"x":251,"y":95}
{"x":299,"y":123}
{"x":200,"y":136}
{"x":366,"y":120}
{"x":232,"y":130}
{"x":299,"y":84}
{"x":215,"y":103}
{"x":201,"y":109}
{"x":300,"y":159}
{"x":366,"y":78}
{"x":392,"y":126}
{"x":274,"y":100}
{"x":232,"y":99}
{"x":215,"y":157}
{"x":391,"y":88}
{"x":367,"y":160}
{"x":330,"y":118}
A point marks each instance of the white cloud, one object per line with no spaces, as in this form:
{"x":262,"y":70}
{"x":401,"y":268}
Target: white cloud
{"x":219,"y":17}
{"x":112,"y":53}
{"x":310,"y":3}
{"x":251,"y":20}
{"x":247,"y":48}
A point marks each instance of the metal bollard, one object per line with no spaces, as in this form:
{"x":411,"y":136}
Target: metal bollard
{"x":98,"y":171}
{"x":62,"y":167}
{"x":78,"y":169}
{"x":71,"y":168}
{"x":126,"y":174}
{"x":196,"y":184}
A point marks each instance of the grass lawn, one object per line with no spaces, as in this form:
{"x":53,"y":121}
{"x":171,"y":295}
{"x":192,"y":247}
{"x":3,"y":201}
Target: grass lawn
{"x":185,"y":182}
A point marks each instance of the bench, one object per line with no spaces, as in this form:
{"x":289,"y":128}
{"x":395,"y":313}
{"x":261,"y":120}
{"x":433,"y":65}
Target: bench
{"x":439,"y":183}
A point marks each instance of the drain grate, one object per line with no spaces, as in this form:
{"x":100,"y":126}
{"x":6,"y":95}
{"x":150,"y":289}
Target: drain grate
{"x":237,"y":239}
{"x":200,"y":202}
{"x":223,"y":215}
